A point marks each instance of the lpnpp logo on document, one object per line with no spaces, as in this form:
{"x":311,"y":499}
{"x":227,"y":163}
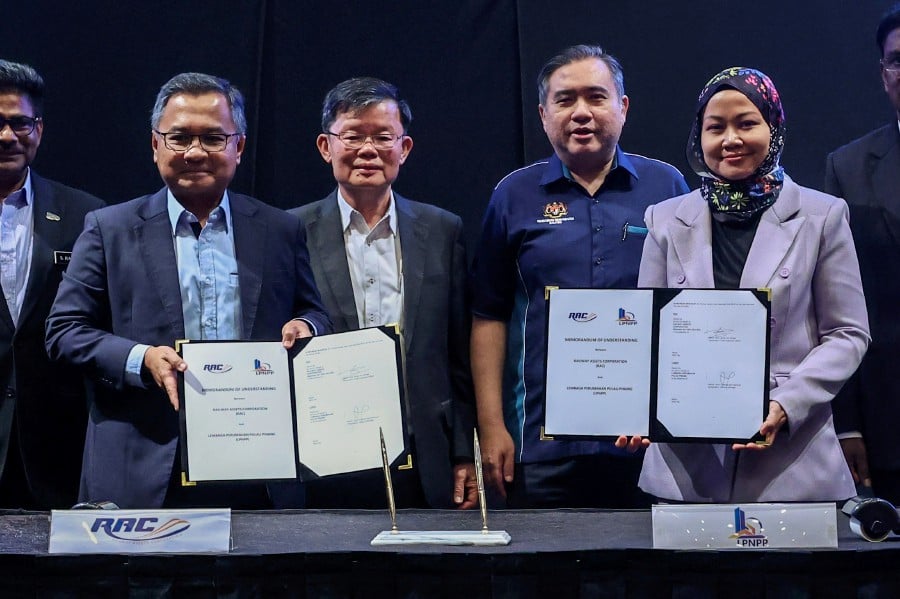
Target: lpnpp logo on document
{"x":626,"y":318}
{"x":748,"y":532}
{"x":260,"y":367}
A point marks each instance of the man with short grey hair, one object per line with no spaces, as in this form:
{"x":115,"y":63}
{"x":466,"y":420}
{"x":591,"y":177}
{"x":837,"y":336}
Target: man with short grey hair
{"x":379,"y":259}
{"x":191,"y":261}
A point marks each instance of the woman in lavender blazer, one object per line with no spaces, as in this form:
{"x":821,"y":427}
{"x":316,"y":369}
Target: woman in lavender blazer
{"x":750,"y":225}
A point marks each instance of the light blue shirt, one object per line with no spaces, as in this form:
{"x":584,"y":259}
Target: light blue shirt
{"x":16,"y":241}
{"x":207,"y":276}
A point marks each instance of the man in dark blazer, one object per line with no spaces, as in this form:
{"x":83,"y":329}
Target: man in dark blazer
{"x":378,"y":259}
{"x":190,"y":261}
{"x":43,"y":408}
{"x":866,"y":173}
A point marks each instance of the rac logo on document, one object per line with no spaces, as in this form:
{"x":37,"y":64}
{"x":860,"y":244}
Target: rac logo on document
{"x":582,"y":316}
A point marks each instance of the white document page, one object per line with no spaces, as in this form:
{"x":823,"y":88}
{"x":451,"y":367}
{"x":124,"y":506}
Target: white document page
{"x":347,"y":386}
{"x":237,"y":402}
{"x":598,"y":362}
{"x":712,"y":364}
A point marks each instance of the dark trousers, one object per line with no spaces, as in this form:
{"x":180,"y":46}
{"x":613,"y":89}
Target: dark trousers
{"x":591,"y":481}
{"x":234,"y":495}
{"x":14,"y":489}
{"x":366,"y":490}
{"x":886,"y":485}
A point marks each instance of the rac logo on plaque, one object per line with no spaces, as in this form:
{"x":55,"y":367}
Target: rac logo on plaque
{"x":139,"y":529}
{"x":748,"y":531}
{"x":216,"y":368}
{"x":582,"y":316}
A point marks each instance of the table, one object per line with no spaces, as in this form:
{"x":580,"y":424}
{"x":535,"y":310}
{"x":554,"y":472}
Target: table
{"x":554,"y":553}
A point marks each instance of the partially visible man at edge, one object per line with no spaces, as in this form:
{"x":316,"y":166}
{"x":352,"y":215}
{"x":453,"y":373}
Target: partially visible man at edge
{"x":43,"y":407}
{"x":866,"y":173}
{"x":572,"y":220}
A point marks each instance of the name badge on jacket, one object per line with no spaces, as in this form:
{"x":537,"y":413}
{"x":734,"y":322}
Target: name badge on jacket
{"x":61,"y":259}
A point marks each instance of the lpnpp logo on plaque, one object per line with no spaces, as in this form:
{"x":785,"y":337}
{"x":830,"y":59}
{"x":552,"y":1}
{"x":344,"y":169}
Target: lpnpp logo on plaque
{"x":748,"y":531}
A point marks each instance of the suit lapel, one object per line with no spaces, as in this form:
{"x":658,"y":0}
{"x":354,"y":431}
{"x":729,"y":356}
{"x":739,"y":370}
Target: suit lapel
{"x":884,"y":157}
{"x":326,"y":238}
{"x":49,"y":216}
{"x":691,"y":238}
{"x":774,"y":237}
{"x":413,"y":234}
{"x":157,"y":251}
{"x":250,"y":251}
{"x":884,"y":160}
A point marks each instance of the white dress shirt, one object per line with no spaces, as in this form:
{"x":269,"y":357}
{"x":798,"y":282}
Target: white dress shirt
{"x":376,"y":273}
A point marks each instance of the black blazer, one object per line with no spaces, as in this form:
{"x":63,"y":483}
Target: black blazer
{"x":49,"y":398}
{"x":866,"y":173}
{"x":437,"y":323}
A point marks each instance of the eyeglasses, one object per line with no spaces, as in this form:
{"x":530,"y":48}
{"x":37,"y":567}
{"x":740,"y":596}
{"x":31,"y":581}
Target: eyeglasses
{"x":355,"y":141}
{"x":20,"y":125}
{"x":182,"y":142}
{"x":892,"y":66}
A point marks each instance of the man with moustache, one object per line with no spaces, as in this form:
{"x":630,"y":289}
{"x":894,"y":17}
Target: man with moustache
{"x":193,"y":260}
{"x":379,"y":259}
{"x":866,"y":173}
{"x":575,"y":219}
{"x":43,"y":406}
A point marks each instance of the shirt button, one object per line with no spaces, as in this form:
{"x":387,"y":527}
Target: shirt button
{"x":371,"y":281}
{"x":598,"y":261}
{"x":680,"y":279}
{"x":598,"y":229}
{"x":785,"y":272}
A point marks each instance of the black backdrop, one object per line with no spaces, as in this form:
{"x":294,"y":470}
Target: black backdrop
{"x":467,"y":67}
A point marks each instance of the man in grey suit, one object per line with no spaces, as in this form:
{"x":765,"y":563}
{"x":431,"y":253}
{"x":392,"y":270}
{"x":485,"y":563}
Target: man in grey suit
{"x":192,"y":260}
{"x":43,"y":408}
{"x":866,"y":173}
{"x":379,"y":258}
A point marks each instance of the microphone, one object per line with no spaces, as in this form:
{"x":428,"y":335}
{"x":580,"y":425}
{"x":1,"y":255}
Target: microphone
{"x":872,"y":518}
{"x":95,"y":505}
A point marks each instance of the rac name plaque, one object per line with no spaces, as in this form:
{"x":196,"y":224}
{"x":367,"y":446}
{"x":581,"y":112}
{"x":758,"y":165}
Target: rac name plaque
{"x":140,"y":531}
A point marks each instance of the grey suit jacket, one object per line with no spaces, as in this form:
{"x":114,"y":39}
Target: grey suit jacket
{"x":122,"y":288}
{"x":48,"y":399}
{"x":436,"y":326}
{"x":804,"y":253}
{"x":866,"y":173}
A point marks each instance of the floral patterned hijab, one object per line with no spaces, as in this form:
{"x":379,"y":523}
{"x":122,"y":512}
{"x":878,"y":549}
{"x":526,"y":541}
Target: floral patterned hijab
{"x":752,"y":195}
